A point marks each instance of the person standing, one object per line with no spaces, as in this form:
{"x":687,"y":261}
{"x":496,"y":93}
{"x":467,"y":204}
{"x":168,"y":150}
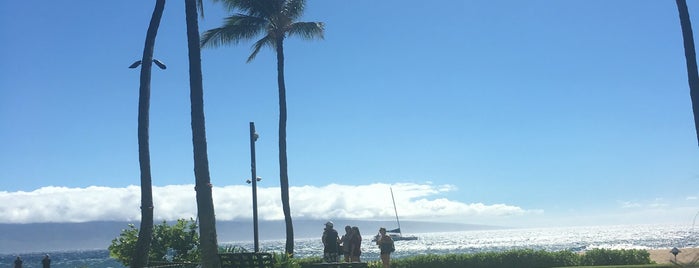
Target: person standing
{"x":346,"y":242}
{"x":331,"y":240}
{"x":385,"y":244}
{"x":18,"y":262}
{"x":356,"y":242}
{"x":46,"y":262}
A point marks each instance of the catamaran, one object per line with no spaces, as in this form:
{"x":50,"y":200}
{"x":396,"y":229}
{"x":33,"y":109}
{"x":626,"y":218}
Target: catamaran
{"x":396,"y":234}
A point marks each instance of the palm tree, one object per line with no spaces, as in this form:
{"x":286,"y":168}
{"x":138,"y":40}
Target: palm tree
{"x":145,"y":233}
{"x":205,"y":204}
{"x":691,"y":59}
{"x":275,"y":19}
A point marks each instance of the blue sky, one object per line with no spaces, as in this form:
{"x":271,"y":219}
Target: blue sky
{"x":507,"y":112}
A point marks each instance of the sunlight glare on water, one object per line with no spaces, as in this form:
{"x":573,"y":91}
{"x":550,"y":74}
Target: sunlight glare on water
{"x":577,"y":239}
{"x":551,"y":239}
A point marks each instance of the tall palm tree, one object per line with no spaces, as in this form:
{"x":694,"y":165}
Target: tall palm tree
{"x":205,"y":206}
{"x":275,"y":20}
{"x":145,"y":233}
{"x":691,"y":59}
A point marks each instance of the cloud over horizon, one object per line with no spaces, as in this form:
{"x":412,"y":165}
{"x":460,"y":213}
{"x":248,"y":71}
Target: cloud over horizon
{"x":234,"y":202}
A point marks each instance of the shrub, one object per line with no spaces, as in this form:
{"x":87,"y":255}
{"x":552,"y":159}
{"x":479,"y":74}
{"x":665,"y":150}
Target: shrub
{"x":171,"y":244}
{"x":615,"y":257}
{"x":524,"y":258}
{"x":514,"y":258}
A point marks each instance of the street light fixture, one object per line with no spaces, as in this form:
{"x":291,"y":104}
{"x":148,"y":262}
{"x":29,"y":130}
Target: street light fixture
{"x":160,"y":64}
{"x":253,"y":138}
{"x":248,"y":181}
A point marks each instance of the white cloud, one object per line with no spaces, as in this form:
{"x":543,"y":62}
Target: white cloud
{"x":629,"y":204}
{"x":61,"y":204}
{"x":659,"y":203}
{"x":414,"y":201}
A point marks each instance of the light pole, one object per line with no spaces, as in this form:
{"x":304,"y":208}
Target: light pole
{"x":254,"y":180}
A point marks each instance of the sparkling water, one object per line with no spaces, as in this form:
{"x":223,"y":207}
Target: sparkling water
{"x":577,"y":239}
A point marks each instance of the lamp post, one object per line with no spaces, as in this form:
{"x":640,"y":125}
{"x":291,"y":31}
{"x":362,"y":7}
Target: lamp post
{"x":254,"y":180}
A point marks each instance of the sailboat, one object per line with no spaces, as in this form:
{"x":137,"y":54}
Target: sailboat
{"x":396,"y":234}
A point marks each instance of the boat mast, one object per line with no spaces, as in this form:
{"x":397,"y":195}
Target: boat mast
{"x":396,"y":211}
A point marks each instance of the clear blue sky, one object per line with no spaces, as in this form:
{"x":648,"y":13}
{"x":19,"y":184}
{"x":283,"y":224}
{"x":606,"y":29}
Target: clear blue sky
{"x":558,"y":108}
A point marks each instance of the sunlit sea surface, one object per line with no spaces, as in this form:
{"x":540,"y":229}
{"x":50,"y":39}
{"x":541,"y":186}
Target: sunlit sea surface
{"x":577,"y":239}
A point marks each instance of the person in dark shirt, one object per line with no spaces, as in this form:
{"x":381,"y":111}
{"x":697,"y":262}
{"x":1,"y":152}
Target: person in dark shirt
{"x":346,"y":241}
{"x":18,"y":262}
{"x":46,"y":262}
{"x":330,"y":243}
{"x":386,"y":247}
{"x":356,"y":242}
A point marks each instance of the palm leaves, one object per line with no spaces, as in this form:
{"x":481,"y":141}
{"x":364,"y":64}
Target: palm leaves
{"x":274,"y":20}
{"x":691,"y":264}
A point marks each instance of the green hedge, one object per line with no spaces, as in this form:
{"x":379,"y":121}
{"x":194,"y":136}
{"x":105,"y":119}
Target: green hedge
{"x":615,"y":257}
{"x":525,"y":258}
{"x":513,"y":258}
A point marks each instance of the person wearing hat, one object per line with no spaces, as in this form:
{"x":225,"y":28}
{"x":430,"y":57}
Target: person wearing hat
{"x":330,"y":243}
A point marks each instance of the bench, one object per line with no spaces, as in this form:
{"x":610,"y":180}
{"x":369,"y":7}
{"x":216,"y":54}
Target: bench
{"x":246,"y":260}
{"x":336,"y":265}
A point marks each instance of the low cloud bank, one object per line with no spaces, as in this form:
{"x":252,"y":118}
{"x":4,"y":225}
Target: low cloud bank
{"x":334,"y":201}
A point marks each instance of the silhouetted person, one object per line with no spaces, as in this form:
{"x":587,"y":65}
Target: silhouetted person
{"x":330,"y":243}
{"x":385,"y":243}
{"x":18,"y":262}
{"x":46,"y":262}
{"x":356,"y":242}
{"x":347,"y":243}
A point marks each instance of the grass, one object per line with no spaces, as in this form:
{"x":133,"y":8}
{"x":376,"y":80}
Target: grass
{"x":524,"y":258}
{"x":628,"y":266}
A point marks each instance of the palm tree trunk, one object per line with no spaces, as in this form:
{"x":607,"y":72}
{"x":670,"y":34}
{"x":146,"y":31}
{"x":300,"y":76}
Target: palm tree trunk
{"x":205,"y":204}
{"x":691,"y":59}
{"x":145,"y":233}
{"x":283,"y":170}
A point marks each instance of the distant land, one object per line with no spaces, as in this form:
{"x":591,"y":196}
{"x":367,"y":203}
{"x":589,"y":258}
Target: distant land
{"x":52,"y":237}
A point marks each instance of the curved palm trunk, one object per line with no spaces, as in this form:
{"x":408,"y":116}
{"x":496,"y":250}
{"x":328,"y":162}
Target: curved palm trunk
{"x":205,"y":204}
{"x":283,"y":170}
{"x":691,"y":59}
{"x":145,"y":233}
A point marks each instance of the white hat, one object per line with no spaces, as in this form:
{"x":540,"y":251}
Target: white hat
{"x":329,"y":224}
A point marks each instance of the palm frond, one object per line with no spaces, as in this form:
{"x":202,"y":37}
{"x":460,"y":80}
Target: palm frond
{"x":200,"y":6}
{"x":307,"y":30}
{"x":235,"y":28}
{"x":274,"y":17}
{"x":293,"y":9}
{"x":691,"y":264}
{"x":268,"y":40}
{"x":256,"y":8}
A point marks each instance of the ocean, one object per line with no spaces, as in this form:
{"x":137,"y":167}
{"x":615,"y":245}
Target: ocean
{"x":577,"y":239}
